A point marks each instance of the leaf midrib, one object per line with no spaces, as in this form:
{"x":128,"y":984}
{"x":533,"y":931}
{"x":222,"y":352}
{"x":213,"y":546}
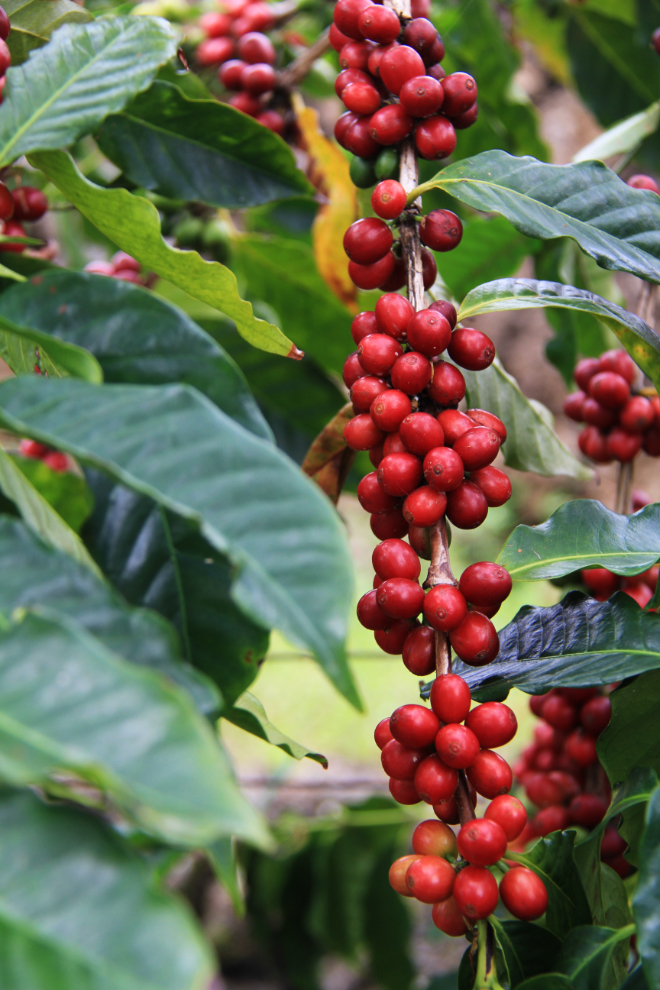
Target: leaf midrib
{"x":599,"y":42}
{"x":548,"y":561}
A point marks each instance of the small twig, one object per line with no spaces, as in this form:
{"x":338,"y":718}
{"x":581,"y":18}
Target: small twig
{"x":623,"y":488}
{"x":296,"y":71}
{"x":463,"y":799}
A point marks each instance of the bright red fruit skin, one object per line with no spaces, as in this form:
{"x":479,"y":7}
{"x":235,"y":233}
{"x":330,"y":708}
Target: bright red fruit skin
{"x":460,"y":93}
{"x":363,"y":324}
{"x":371,"y":276}
{"x":495,"y":485}
{"x":429,"y":332}
{"x":256,"y":47}
{"x":441,"y":230}
{"x":435,"y":781}
{"x":424,"y":506}
{"x":509,"y":813}
{"x":367,"y":241}
{"x":411,"y":373}
{"x":475,"y":892}
{"x":490,"y":775}
{"x":372,"y":498}
{"x":444,"y":607}
{"x":382,"y":733}
{"x":29,"y":203}
{"x":443,"y":469}
{"x":467,"y":506}
{"x":450,"y":698}
{"x":395,"y":558}
{"x":398,"y":65}
{"x":389,"y":409}
{"x":393,"y":314}
{"x":379,"y":24}
{"x":493,"y":723}
{"x":484,"y":583}
{"x":389,"y":197}
{"x":364,"y":390}
{"x":397,"y":875}
{"x":457,"y":746}
{"x":523,"y":894}
{"x":404,"y":791}
{"x":361,"y":433}
{"x":369,"y":613}
{"x":435,"y":137}
{"x":477,"y":448}
{"x":595,"y":714}
{"x":421,"y":96}
{"x":610,"y":389}
{"x":420,"y":432}
{"x":434,"y":838}
{"x":401,"y":762}
{"x":399,"y":474}
{"x":430,"y":879}
{"x":346,"y":14}
{"x":448,"y":918}
{"x":471,"y":349}
{"x":388,"y":525}
{"x":448,"y":385}
{"x":414,"y":726}
{"x":390,"y":124}
{"x":482,"y":842}
{"x":419,"y":651}
{"x":620,"y":362}
{"x":392,"y":639}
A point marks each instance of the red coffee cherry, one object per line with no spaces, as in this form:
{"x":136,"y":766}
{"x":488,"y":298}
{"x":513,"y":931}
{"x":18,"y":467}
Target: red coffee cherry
{"x":390,"y":124}
{"x":355,"y":55}
{"x":645,"y":181}
{"x":401,"y":762}
{"x":391,"y":640}
{"x":430,"y":879}
{"x":256,"y":47}
{"x":477,"y":448}
{"x":610,"y":389}
{"x":460,"y":93}
{"x":346,"y":16}
{"x":365,"y":390}
{"x":421,"y":96}
{"x":433,"y":838}
{"x":414,"y":726}
{"x":229,"y":74}
{"x":358,"y":138}
{"x":389,"y":197}
{"x":435,"y":137}
{"x":419,"y":538}
{"x":463,"y":120}
{"x":475,"y":641}
{"x":424,"y":507}
{"x":620,"y":362}
{"x":457,"y":746}
{"x":377,"y":55}
{"x":490,"y":775}
{"x":398,"y":65}
{"x":651,"y":442}
{"x":343,"y":125}
{"x":421,"y":35}
{"x":382,"y":733}
{"x":29,"y":203}
{"x":429,"y":332}
{"x":612,"y":843}
{"x":597,"y":415}
{"x":212,"y":51}
{"x":485,"y":583}
{"x":450,"y":698}
{"x":371,"y":276}
{"x":398,"y":870}
{"x":372,"y":498}
{"x":448,"y":918}
{"x":493,"y":723}
{"x":388,"y":409}
{"x":6,"y":202}
{"x":581,"y":747}
{"x":389,"y":525}
{"x":397,"y":278}
{"x":394,"y":445}
{"x":482,"y":841}
{"x":446,"y":309}
{"x":443,"y":469}
{"x":246,"y":103}
{"x":377,"y":353}
{"x":400,"y":598}
{"x":471,"y":349}
{"x":379,"y":24}
{"x":336,"y":38}
{"x":441,"y":230}
{"x":363,"y":324}
{"x":509,"y":813}
{"x":348,"y":76}
{"x":419,"y":651}
{"x":444,"y":607}
{"x":595,"y":714}
{"x":623,"y":446}
{"x":475,"y":892}
{"x":370,"y":615}
{"x":558,"y":712}
{"x":394,"y":559}
{"x":400,"y":474}
{"x":404,"y":791}
{"x":420,"y":432}
{"x":393,"y":314}
{"x":587,"y":810}
{"x":361,"y":433}
{"x":543,"y":791}
{"x":593,"y":443}
{"x":258,"y":78}
{"x":574,"y":406}
{"x":434,"y":780}
{"x":447,"y":811}
{"x":523,"y":894}
{"x":367,"y":241}
{"x":584,"y":371}
{"x":577,"y":696}
{"x":429,"y":269}
{"x":362,"y":98}
{"x":466,"y":505}
{"x":454,"y":424}
{"x":637,"y":414}
{"x":5,"y":26}
{"x":352,"y":370}
{"x":448,"y":385}
{"x":411,"y":372}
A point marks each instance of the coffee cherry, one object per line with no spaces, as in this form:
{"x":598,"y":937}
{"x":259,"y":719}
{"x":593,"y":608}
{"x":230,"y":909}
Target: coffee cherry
{"x":346,"y":16}
{"x":651,"y":442}
{"x":595,"y":714}
{"x":348,"y":76}
{"x":5,"y":26}
{"x":394,"y":445}
{"x":389,"y":525}
{"x":610,"y":389}
{"x":450,"y":698}
{"x":390,"y":125}
{"x":401,"y":762}
{"x":490,"y":775}
{"x":447,"y":387}
{"x":29,"y":203}
{"x":389,"y":408}
{"x":447,"y":811}
{"x":229,"y":73}
{"x":463,"y":120}
{"x":454,"y":424}
{"x":434,"y":780}
{"x":395,"y":559}
{"x":430,"y":879}
{"x":382,"y":733}
{"x":509,"y":813}
{"x":32,"y":448}
{"x":587,"y":810}
{"x":477,"y":448}
{"x":466,"y":505}
{"x":400,"y":474}
{"x":482,"y":841}
{"x":460,"y":93}
{"x":404,"y":791}
{"x":352,"y":370}
{"x":419,"y":651}
{"x":342,"y":126}
{"x":370,"y":615}
{"x":524,"y":894}
{"x":398,"y":65}
{"x":393,"y":314}
{"x":448,"y":918}
{"x":441,"y":230}
{"x":376,"y":57}
{"x":420,"y":432}
{"x":336,"y":38}
{"x":258,"y":78}
{"x":411,"y":373}
{"x":363,"y":324}
{"x":623,"y":446}
{"x":433,"y":838}
{"x":391,"y":640}
{"x":457,"y":746}
{"x":581,"y":747}
{"x":398,"y":870}
{"x":377,"y":352}
{"x":444,"y":607}
{"x":584,"y":372}
{"x":421,"y":35}
{"x":355,"y":55}
{"x":414,"y":726}
{"x":620,"y":362}
{"x":420,"y":540}
{"x":365,"y":390}
{"x":56,"y":461}
{"x":361,"y":433}
{"x":645,"y":181}
{"x":429,"y":269}
{"x":471,"y":349}
{"x":388,"y":199}
{"x":597,"y":415}
{"x":421,"y":96}
{"x":475,"y":640}
{"x":543,"y":791}
{"x":637,"y":414}
{"x":593,"y":444}
{"x":246,"y":103}
{"x":367,"y":241}
{"x":485,"y":583}
{"x":256,"y":47}
{"x":443,"y":469}
{"x":424,"y":507}
{"x":372,"y":276}
{"x":435,"y":137}
{"x":612,"y":843}
{"x":429,"y":332}
{"x":379,"y":24}
{"x":362,"y":98}
{"x":574,"y":406}
{"x":493,"y":723}
{"x":577,"y":696}
{"x":475,"y":892}
{"x":559,"y":713}
{"x":212,"y":51}
{"x":372,"y":498}
{"x":358,"y":138}
{"x":446,"y":309}
{"x":400,"y":598}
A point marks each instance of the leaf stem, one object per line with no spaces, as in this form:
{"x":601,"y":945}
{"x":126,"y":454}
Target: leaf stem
{"x":486,"y":978}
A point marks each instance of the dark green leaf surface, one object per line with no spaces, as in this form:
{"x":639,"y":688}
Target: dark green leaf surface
{"x":586,"y":954}
{"x":134,"y":335}
{"x":71,"y":707}
{"x":632,"y":739}
{"x":79,"y":909}
{"x":490,"y":249}
{"x":616,"y":225}
{"x":583,"y":533}
{"x":35,"y":575}
{"x":249,"y":714}
{"x":548,"y":981}
{"x":199,"y":150}
{"x":636,"y":336}
{"x":172,"y":444}
{"x":646,"y":899}
{"x":87,"y":71}
{"x":636,"y":980}
{"x":222,"y":854}
{"x":551,"y":858}
{"x":528,"y":949}
{"x":33,"y":22}
{"x":66,"y":492}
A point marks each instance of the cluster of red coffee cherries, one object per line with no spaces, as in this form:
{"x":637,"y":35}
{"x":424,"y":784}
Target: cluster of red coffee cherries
{"x":121,"y":266}
{"x":423,"y":751}
{"x":5,"y":55}
{"x":620,"y":421}
{"x":392,"y":83}
{"x":17,"y":206}
{"x":602,"y":584}
{"x":560,"y":770}
{"x":55,"y":459}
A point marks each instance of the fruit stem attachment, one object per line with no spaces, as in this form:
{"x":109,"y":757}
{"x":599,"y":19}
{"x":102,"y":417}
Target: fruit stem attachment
{"x":463,"y":800}
{"x":623,"y":488}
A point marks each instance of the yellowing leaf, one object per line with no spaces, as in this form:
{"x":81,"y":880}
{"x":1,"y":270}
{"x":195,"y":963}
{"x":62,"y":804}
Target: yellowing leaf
{"x":329,"y":460}
{"x":330,"y":174}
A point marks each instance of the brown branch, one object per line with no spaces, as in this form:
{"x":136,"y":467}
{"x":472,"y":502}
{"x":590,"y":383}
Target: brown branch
{"x":463,"y":799}
{"x":298,"y":69}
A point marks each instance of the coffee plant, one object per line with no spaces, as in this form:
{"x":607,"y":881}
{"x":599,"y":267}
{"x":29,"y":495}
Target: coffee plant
{"x":185,"y":256}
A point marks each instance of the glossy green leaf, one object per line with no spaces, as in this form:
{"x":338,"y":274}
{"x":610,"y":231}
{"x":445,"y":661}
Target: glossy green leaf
{"x":532,"y":444}
{"x":249,"y":714}
{"x":637,"y":337}
{"x":26,"y":349}
{"x":646,"y":899}
{"x":80,"y":910}
{"x":199,"y":150}
{"x":133,"y":224}
{"x":527,"y":949}
{"x":636,"y":980}
{"x":624,"y":137}
{"x":549,"y":201}
{"x":586,"y":954}
{"x":222,"y":854}
{"x":65,"y":491}
{"x":248,"y":500}
{"x":583,"y":533}
{"x":134,"y":335}
{"x":33,"y":22}
{"x":551,"y":858}
{"x":632,"y":739}
{"x":86,"y":72}
{"x":36,"y":575}
{"x":82,"y":712}
{"x":548,"y":981}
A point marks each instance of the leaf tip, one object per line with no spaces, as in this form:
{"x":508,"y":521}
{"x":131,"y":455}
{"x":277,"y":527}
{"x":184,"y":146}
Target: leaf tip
{"x":295,"y":353}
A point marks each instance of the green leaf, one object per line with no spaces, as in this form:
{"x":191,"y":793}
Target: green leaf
{"x":547,"y":981}
{"x":86,"y":72}
{"x":134,"y":335}
{"x":637,"y":337}
{"x":33,"y":22}
{"x":66,"y":492}
{"x":583,"y":533}
{"x":83,"y":711}
{"x":646,"y":898}
{"x":632,"y":739}
{"x":636,"y":980}
{"x":551,"y":858}
{"x":549,"y":201}
{"x":532,"y":444}
{"x":36,"y":575}
{"x":248,"y":500}
{"x":249,"y":714}
{"x":133,"y":224}
{"x":624,"y":138}
{"x":222,"y":854}
{"x":527,"y":949}
{"x":199,"y":150}
{"x":25,"y":349}
{"x":587,"y":953}
{"x":79,"y":909}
